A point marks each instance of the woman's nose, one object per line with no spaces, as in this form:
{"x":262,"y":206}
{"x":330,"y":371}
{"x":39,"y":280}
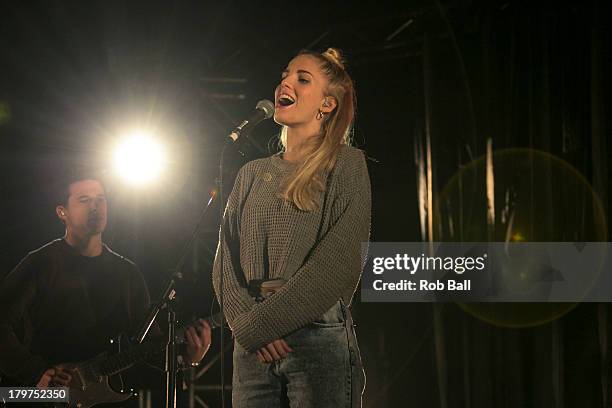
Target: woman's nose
{"x":285,"y":83}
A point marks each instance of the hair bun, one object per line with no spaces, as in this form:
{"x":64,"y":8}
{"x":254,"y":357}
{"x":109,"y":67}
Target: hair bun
{"x":335,"y":56}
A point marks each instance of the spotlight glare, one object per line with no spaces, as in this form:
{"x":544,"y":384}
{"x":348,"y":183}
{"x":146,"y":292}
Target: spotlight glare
{"x":139,"y":158}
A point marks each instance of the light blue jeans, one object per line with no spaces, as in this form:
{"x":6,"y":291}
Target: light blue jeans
{"x":324,"y":370}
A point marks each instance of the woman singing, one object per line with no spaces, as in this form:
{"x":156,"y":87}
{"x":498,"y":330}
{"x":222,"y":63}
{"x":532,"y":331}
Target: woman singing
{"x":292,"y":234}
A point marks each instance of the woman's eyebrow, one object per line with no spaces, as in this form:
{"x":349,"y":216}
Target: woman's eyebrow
{"x":299,"y":71}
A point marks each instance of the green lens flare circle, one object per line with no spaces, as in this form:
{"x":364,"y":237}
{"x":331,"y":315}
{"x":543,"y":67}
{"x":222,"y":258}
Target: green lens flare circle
{"x":5,"y":113}
{"x":537,"y":198}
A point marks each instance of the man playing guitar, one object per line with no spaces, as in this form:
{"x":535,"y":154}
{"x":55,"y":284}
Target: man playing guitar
{"x":65,"y":300}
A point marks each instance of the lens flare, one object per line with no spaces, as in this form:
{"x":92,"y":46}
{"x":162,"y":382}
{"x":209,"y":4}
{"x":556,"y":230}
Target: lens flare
{"x":139,"y":158}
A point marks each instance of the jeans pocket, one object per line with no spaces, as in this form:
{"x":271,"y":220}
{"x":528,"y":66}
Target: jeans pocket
{"x":324,"y":325}
{"x":332,"y":318}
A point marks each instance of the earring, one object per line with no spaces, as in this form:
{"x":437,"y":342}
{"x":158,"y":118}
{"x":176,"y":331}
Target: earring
{"x":320,"y":115}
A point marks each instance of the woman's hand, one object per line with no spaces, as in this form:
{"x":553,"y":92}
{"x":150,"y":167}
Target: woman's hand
{"x":274,"y":351}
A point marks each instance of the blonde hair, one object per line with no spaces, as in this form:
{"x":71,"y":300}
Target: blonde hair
{"x":307,"y":180}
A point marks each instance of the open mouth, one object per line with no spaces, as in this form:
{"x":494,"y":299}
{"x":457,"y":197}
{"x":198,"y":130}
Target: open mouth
{"x":285,"y":100}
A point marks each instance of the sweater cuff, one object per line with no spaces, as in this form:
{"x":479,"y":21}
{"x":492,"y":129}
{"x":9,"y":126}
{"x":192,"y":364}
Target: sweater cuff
{"x":246,"y":335}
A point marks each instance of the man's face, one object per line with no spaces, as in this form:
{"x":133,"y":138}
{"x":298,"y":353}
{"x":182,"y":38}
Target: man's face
{"x":85,"y":212}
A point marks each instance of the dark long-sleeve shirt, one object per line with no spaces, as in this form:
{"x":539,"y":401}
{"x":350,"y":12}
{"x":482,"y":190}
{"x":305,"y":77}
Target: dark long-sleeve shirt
{"x":317,"y":252}
{"x":58,"y":306}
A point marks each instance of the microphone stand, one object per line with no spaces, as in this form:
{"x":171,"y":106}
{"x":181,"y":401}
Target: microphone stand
{"x":235,"y":139}
{"x":168,"y":301}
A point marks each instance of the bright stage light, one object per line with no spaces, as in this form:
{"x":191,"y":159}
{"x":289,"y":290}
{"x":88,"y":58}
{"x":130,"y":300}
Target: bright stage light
{"x":139,"y":158}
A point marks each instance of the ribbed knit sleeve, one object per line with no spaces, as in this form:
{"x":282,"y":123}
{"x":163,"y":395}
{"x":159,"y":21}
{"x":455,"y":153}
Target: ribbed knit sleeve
{"x":237,"y":300}
{"x":330,"y":272}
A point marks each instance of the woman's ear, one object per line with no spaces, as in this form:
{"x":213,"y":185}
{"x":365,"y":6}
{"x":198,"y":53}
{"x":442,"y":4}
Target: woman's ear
{"x":328,"y":104}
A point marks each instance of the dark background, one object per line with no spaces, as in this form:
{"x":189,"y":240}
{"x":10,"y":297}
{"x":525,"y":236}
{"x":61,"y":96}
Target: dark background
{"x":76,"y":75}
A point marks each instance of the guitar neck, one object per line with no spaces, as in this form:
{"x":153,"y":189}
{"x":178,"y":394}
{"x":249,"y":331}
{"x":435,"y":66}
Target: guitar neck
{"x":126,"y":359}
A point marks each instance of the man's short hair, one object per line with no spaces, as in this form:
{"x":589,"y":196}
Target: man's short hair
{"x":74,"y":175}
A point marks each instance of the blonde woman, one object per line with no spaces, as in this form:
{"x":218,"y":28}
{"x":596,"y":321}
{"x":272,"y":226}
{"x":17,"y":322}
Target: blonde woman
{"x":293,"y":229}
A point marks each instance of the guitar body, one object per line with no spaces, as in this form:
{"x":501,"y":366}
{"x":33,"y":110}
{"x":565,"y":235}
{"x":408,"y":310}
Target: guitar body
{"x":94,"y":391}
{"x":87,"y":388}
{"x":90,"y":385}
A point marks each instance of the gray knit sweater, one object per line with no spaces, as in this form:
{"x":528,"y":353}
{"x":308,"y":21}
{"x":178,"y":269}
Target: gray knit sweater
{"x":318,"y":252}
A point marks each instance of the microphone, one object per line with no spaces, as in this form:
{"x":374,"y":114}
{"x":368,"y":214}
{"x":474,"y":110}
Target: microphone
{"x":264,"y":110}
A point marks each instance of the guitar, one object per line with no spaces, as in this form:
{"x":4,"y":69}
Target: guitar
{"x":90,"y":379}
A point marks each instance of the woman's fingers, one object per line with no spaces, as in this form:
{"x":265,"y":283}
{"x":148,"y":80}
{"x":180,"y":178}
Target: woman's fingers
{"x":284,"y":345}
{"x":273,"y":352}
{"x":260,"y":357}
{"x":266,"y":355}
{"x":280,"y":348}
{"x":277,"y":350}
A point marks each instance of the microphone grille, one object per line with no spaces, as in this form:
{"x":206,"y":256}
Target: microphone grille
{"x":267,"y":106}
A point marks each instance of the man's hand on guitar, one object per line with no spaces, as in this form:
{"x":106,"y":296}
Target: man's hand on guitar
{"x":198,"y":341}
{"x":58,"y":376}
